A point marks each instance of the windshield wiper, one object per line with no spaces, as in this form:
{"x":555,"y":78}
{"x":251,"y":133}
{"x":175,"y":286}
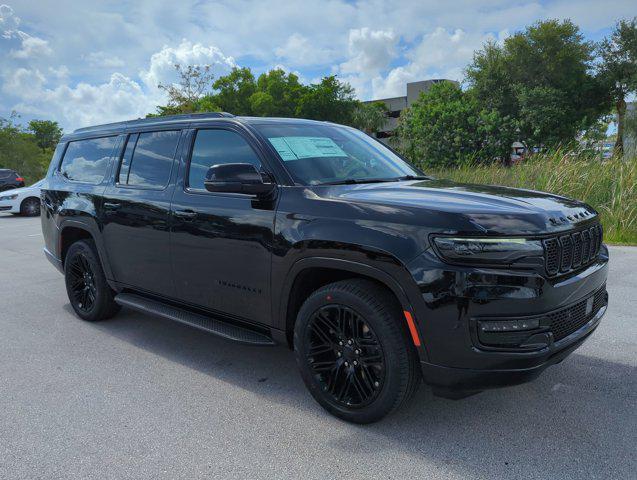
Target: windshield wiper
{"x":354,"y":181}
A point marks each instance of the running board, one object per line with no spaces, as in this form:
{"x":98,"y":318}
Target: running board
{"x":209,"y":324}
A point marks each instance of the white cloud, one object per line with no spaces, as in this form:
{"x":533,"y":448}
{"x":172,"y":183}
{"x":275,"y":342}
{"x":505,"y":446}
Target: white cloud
{"x":370,"y":51}
{"x":119,"y":98}
{"x":300,"y":51}
{"x":31,"y":47}
{"x":60,"y":73}
{"x":162,"y":64}
{"x":440,"y":54}
{"x":85,"y":104}
{"x":100,"y":47}
{"x":8,"y":21}
{"x":104,"y":60}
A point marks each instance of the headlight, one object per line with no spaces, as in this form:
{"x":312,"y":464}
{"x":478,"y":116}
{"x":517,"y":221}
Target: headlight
{"x":486,"y":250}
{"x":9,"y":197}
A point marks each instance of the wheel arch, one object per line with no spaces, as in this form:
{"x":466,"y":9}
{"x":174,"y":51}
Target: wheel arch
{"x":310,"y":273}
{"x":72,"y":231}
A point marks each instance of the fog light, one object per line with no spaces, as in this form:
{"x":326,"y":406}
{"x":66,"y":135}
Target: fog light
{"x":510,"y":325}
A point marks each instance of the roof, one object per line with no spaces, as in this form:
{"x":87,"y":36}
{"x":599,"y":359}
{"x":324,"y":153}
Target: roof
{"x":113,"y":128}
{"x":154,"y":120}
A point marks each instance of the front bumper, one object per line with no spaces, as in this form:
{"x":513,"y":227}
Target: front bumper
{"x":460,"y":382}
{"x":454,"y":300}
{"x":8,"y":207}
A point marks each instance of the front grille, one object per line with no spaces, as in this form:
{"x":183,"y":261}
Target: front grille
{"x":565,"y":253}
{"x":567,"y":320}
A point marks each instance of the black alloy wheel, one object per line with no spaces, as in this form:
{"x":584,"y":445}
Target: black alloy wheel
{"x":354,"y":351}
{"x":345,"y":355}
{"x":82,"y":283}
{"x":90,"y":295}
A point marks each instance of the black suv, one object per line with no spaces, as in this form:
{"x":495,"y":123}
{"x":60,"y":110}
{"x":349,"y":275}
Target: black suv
{"x":9,"y":179}
{"x":316,"y":236}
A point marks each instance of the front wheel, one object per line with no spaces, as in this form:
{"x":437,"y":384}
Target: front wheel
{"x":90,"y":295}
{"x":354,"y":355}
{"x":30,"y":207}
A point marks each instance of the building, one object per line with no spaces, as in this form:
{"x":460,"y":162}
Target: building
{"x":395,"y":105}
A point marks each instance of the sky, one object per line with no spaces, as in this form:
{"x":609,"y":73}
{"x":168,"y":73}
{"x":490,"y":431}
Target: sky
{"x":84,"y":62}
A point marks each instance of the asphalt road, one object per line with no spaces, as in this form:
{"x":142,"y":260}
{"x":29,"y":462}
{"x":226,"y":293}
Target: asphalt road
{"x":141,"y":397}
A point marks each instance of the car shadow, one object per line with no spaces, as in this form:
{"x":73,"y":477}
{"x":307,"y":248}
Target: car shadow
{"x":576,"y":420}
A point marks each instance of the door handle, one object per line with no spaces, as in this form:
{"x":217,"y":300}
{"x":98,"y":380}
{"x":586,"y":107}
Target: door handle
{"x":111,"y":206}
{"x":185,"y":214}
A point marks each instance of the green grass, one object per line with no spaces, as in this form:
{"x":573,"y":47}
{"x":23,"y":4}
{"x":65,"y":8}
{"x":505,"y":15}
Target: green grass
{"x":609,"y":186}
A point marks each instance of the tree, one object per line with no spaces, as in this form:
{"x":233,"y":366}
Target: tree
{"x":330,"y":100}
{"x":233,"y":91}
{"x":542,"y":79}
{"x":191,"y":94}
{"x":619,"y":70}
{"x":19,"y":150}
{"x":370,"y":117}
{"x":47,"y":133}
{"x":274,"y":93}
{"x":278,"y":94}
{"x":447,"y":126}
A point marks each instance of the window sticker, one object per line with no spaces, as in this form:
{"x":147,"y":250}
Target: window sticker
{"x":294,"y":148}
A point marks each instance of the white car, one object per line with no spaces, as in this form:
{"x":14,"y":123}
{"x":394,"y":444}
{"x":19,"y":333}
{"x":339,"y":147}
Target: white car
{"x":22,"y":201}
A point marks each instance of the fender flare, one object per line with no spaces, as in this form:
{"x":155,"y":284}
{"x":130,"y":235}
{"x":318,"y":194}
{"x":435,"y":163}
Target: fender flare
{"x":337,"y":264}
{"x":95,"y":234}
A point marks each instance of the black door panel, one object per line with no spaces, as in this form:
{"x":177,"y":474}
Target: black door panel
{"x":222,"y":243}
{"x":136,"y":213}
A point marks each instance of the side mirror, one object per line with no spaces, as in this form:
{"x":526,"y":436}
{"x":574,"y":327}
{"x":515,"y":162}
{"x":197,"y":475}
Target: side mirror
{"x":236,"y":178}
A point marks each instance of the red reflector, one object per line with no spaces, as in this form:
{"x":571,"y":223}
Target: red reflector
{"x":19,"y":179}
{"x":412,"y":328}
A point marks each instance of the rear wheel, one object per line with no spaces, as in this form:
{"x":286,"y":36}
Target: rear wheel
{"x":354,"y":355}
{"x":30,"y":207}
{"x":89,"y":293}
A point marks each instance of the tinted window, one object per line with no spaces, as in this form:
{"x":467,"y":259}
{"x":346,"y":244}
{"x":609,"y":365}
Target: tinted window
{"x":152,"y":159}
{"x":214,"y":147}
{"x":87,"y":160}
{"x":7,"y":174}
{"x":318,"y":153}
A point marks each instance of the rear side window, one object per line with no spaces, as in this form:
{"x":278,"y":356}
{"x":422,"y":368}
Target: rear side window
{"x":214,"y":147}
{"x":148,"y":159}
{"x":4,"y":174}
{"x":86,"y":160}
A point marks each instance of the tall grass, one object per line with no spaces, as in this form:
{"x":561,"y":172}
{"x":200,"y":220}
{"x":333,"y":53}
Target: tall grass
{"x":609,"y":186}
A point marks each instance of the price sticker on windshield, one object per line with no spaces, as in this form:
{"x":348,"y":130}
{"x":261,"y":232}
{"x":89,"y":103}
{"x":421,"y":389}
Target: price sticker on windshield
{"x":296,"y":148}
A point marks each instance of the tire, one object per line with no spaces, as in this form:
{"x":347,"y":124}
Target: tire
{"x":378,"y":372}
{"x":30,"y":207}
{"x":90,"y":295}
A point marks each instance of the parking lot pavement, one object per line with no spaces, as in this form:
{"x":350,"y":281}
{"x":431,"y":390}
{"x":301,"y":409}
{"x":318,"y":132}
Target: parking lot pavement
{"x":141,"y":397}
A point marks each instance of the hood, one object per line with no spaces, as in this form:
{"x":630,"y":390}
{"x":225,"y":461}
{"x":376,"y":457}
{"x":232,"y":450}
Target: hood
{"x":485,"y":208}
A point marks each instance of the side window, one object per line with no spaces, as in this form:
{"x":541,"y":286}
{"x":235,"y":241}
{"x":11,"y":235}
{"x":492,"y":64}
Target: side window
{"x":86,"y":160}
{"x":214,"y":147}
{"x":148,"y":159}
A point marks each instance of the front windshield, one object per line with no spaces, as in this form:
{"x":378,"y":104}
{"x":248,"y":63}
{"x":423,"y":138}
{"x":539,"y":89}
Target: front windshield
{"x":327,"y":154}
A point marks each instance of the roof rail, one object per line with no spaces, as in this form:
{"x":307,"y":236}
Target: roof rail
{"x":150,"y":120}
